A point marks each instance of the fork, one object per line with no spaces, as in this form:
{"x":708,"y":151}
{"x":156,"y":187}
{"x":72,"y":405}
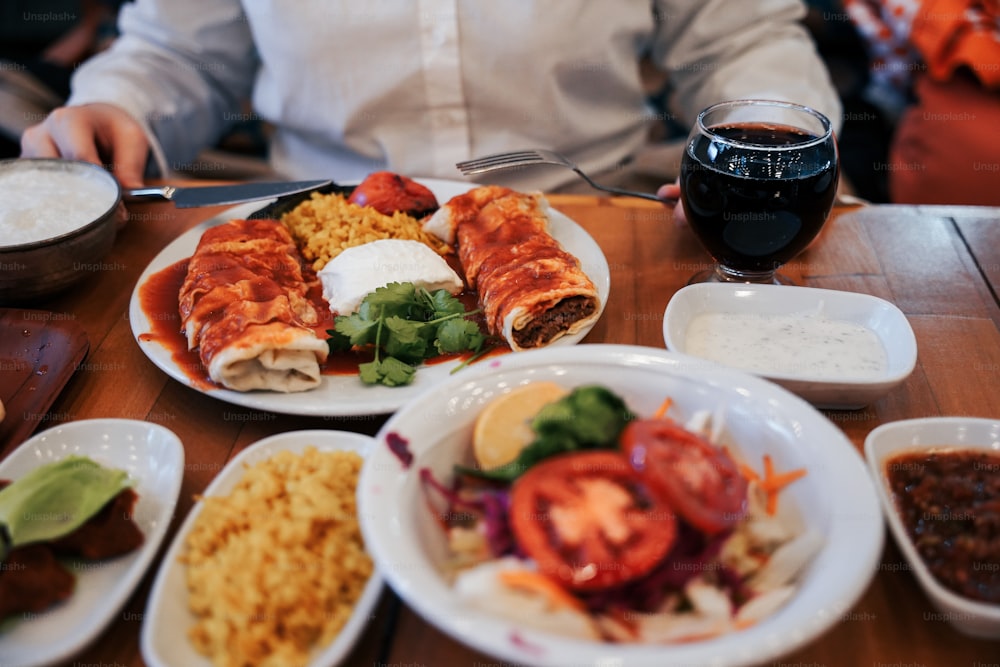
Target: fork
{"x":524,"y":158}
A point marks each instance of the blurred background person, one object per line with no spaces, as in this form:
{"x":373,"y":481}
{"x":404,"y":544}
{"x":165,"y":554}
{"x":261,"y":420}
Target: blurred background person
{"x":935,"y":75}
{"x":41,"y":43}
{"x":417,"y":86}
{"x":865,"y":130}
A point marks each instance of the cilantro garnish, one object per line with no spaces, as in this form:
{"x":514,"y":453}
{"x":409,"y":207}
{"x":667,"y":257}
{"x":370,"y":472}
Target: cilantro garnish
{"x":404,"y":325}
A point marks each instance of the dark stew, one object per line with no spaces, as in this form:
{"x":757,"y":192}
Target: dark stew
{"x":949,"y":500}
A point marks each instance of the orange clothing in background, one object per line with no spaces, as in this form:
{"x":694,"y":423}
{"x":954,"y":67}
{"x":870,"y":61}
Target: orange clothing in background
{"x":950,"y":34}
{"x":945,"y":54}
{"x":951,"y":132}
{"x":946,"y":149}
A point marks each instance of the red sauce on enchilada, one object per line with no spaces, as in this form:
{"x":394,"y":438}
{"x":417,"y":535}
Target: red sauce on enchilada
{"x":159,"y":300}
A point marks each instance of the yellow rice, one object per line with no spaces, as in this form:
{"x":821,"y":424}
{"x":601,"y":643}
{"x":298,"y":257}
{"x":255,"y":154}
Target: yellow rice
{"x":325,"y":225}
{"x":275,"y":567}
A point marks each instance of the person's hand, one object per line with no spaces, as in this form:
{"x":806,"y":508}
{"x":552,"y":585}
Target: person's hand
{"x":93,"y":133}
{"x":670,"y":193}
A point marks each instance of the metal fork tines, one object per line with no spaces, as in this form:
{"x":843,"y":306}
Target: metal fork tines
{"x":522,"y":158}
{"x":512,"y":159}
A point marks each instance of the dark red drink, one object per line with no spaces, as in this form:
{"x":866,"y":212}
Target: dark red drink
{"x":756,"y":194}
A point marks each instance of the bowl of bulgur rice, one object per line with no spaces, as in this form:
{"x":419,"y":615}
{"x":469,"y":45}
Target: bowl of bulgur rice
{"x":269,"y":567}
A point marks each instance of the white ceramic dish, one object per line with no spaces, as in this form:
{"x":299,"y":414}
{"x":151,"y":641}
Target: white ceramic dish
{"x":409,"y":546}
{"x":167,"y":618}
{"x":154,"y":459}
{"x":59,"y":219}
{"x":345,"y":395}
{"x":978,"y":619}
{"x":824,"y":391}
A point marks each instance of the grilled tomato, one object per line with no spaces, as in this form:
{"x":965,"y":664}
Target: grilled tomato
{"x":388,"y":192}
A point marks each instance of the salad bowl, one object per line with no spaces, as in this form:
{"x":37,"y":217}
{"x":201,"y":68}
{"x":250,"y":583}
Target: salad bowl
{"x":433,"y":433}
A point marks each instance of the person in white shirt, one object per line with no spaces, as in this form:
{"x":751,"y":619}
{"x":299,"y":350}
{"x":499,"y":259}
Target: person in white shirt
{"x":415,"y":86}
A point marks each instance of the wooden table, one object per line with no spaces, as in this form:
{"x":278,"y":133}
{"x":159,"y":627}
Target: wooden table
{"x":941,"y":266}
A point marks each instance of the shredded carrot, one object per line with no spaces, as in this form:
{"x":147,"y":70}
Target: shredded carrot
{"x":786,"y":478}
{"x":538,"y":583}
{"x":774,"y":482}
{"x":661,"y":412}
{"x":768,"y":466}
{"x":748,"y":473}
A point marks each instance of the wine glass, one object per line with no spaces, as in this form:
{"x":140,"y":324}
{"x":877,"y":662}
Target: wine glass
{"x":758,"y":180}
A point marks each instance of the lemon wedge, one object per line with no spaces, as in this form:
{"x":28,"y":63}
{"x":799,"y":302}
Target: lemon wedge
{"x":503,"y":428}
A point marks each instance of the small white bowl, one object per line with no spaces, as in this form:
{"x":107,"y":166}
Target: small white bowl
{"x":830,"y":390}
{"x":410,"y":548}
{"x":970,"y":617}
{"x":167,"y":618}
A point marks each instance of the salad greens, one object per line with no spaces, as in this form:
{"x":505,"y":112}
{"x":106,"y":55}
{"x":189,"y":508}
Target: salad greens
{"x":55,"y":499}
{"x":404,"y":325}
{"x":589,"y":417}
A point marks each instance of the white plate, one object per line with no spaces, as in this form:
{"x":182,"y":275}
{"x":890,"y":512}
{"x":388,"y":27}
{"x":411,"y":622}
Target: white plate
{"x":154,"y":459}
{"x":346,"y":395}
{"x":885,"y":320}
{"x":410,"y":548}
{"x":971,"y":617}
{"x":167,"y":618}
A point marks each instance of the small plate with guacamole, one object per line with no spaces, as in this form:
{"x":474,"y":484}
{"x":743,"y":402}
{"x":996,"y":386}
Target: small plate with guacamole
{"x":86,"y":504}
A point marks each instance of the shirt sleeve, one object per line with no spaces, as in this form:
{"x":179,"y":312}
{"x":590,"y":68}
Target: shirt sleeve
{"x":181,"y":68}
{"x":717,"y":50}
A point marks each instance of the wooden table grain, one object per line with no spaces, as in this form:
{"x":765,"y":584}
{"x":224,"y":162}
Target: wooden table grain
{"x":940,"y":265}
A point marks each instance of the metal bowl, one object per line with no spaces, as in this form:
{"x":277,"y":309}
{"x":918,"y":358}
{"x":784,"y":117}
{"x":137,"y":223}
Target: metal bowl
{"x":38,"y":267}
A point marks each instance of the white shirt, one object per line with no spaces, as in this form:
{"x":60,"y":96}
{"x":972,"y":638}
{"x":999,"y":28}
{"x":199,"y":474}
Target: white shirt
{"x":418,"y":85}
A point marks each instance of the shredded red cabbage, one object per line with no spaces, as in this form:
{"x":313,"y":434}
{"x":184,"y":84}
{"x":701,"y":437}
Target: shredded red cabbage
{"x":450,"y":495}
{"x":491,"y":504}
{"x":693,"y":554}
{"x":496,"y":509}
{"x":399,"y":446}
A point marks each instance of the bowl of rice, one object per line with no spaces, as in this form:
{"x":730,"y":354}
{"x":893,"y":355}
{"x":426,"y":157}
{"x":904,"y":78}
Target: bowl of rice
{"x":58,"y":220}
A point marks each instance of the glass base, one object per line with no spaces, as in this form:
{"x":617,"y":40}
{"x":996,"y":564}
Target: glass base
{"x":720,"y":274}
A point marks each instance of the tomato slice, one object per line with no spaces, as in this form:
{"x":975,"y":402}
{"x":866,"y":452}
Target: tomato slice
{"x":699,"y":480}
{"x":588,"y":521}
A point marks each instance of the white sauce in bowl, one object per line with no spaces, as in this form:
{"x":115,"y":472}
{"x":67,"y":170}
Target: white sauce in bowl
{"x":41,"y":203}
{"x":802,"y":345}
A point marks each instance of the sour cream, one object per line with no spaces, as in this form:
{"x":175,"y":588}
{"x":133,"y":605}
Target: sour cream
{"x":40,"y":204}
{"x":793,"y":345}
{"x":357,"y":272}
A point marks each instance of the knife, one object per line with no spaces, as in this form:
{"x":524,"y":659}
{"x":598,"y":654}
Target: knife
{"x":216,"y":195}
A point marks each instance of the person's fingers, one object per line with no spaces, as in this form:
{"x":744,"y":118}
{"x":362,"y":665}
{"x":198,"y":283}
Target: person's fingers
{"x":73,"y":134}
{"x":679,"y":218}
{"x":92,"y":133}
{"x":669,"y":192}
{"x":37,"y":142}
{"x":129,"y":149}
